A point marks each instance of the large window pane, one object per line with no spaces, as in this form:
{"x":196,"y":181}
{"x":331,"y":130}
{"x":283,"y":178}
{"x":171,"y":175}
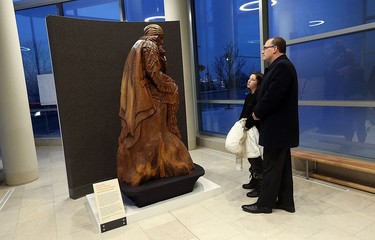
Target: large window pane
{"x":344,"y":130}
{"x":228,"y":48}
{"x":144,"y":10}
{"x":339,"y":68}
{"x":36,"y":62}
{"x":218,"y":118}
{"x":299,"y":18}
{"x":93,"y":9}
{"x":338,"y":72}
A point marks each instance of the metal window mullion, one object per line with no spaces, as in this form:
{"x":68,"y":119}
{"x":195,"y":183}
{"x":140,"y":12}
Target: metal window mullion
{"x":122,"y":10}
{"x":345,"y":31}
{"x":263,"y":27}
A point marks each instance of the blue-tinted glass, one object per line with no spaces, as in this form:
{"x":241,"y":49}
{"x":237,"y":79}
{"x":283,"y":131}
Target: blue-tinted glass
{"x":36,"y":60}
{"x":93,"y":9}
{"x":370,"y":10}
{"x":342,"y":130}
{"x":144,"y":10}
{"x":299,"y":18}
{"x":218,"y":118}
{"x":228,"y":48}
{"x":336,"y":68}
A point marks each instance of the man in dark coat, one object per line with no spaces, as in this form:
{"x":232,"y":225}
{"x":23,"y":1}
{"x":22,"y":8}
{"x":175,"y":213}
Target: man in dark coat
{"x":277,"y":110}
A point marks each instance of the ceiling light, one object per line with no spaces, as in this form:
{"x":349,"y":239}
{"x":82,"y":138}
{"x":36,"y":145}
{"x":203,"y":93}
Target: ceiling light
{"x":155,"y":18}
{"x":315,"y":23}
{"x":246,"y":7}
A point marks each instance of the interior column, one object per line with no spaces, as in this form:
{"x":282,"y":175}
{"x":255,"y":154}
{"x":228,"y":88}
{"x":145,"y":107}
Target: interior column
{"x":16,"y":134}
{"x":178,"y":10}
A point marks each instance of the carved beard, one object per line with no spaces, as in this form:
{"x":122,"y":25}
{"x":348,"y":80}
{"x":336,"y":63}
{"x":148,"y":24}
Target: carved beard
{"x":163,"y":58}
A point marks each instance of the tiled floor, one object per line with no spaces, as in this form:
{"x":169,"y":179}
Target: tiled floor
{"x":43,"y":210}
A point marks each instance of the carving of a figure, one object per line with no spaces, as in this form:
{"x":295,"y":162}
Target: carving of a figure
{"x":149,"y":144}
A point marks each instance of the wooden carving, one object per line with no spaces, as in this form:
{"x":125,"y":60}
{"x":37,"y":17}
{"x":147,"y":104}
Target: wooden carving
{"x":150,"y":145}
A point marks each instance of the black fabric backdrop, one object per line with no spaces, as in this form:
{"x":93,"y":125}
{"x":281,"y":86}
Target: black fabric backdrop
{"x":88,"y":57}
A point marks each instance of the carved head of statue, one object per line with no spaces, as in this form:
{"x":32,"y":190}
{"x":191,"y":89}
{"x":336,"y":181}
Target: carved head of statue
{"x":154,"y":32}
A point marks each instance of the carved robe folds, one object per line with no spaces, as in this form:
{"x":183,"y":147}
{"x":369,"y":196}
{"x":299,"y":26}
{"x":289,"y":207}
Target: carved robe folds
{"x":149,"y":143}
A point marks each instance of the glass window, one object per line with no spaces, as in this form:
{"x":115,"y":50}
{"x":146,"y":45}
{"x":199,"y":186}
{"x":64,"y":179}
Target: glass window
{"x":336,"y":74}
{"x":228,"y":48}
{"x":36,"y":61}
{"x":93,"y":9}
{"x":219,"y":118}
{"x":144,"y":10}
{"x":299,"y":18}
{"x":337,"y":68}
{"x":344,"y":130}
{"x":339,"y":72}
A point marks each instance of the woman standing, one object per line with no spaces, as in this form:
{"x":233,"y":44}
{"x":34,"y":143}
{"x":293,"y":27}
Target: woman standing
{"x":256,"y":164}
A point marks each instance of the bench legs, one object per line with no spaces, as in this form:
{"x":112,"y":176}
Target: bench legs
{"x":307,"y":169}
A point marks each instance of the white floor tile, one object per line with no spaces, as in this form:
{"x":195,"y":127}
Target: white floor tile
{"x":43,"y":210}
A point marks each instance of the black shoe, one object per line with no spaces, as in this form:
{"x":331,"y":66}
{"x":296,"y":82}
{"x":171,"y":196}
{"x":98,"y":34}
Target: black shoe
{"x":285,"y":208}
{"x":253,"y":194}
{"x":254,"y":208}
{"x":251,"y":185}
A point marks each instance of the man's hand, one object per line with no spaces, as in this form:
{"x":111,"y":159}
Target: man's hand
{"x":255,"y":117}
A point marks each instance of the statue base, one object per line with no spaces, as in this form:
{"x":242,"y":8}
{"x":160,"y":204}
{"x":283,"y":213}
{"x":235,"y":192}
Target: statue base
{"x":161,"y":189}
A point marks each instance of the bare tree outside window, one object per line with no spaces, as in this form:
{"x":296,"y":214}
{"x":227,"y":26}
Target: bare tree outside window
{"x":228,"y":66}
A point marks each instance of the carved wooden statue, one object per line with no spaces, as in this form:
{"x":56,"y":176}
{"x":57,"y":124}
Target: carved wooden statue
{"x":149,"y":143}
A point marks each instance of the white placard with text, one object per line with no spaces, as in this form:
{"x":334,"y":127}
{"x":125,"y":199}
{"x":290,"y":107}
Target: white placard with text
{"x":109,"y":201}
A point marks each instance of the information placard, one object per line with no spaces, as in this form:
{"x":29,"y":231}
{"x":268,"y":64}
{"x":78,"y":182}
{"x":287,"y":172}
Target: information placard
{"x":109,"y":201}
{"x":47,"y":90}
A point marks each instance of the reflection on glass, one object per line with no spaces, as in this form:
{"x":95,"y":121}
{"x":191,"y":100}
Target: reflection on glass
{"x":104,"y":9}
{"x":144,"y":10}
{"x":289,"y":19}
{"x":219,"y":118}
{"x":45,"y":121}
{"x":228,"y":48}
{"x":254,"y":5}
{"x":36,"y":61}
{"x":347,"y":130}
{"x":340,"y":73}
{"x":336,"y":68}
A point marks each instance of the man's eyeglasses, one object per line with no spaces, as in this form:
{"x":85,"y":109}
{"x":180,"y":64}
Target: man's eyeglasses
{"x":266,"y":47}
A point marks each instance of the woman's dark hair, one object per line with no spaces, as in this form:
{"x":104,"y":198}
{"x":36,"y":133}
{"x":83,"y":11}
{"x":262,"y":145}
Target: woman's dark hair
{"x":259,"y":77}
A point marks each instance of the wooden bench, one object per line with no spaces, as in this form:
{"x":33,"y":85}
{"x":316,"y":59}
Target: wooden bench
{"x":337,"y":161}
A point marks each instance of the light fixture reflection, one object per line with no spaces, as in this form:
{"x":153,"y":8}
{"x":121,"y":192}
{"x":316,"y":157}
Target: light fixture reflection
{"x":37,"y":114}
{"x":155,"y":18}
{"x":25,"y":49}
{"x":247,"y":6}
{"x":315,"y":23}
{"x":253,"y":41}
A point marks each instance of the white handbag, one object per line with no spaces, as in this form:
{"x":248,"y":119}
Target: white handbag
{"x":236,"y":137}
{"x":253,"y":149}
{"x":244,"y":144}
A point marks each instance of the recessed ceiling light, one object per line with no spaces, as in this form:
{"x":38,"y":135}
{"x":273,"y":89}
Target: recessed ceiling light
{"x":314,"y":23}
{"x":155,"y":18}
{"x":247,"y":6}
